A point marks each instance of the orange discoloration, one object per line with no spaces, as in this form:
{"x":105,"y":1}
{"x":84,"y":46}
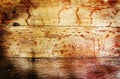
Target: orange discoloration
{"x":66,"y":8}
{"x":28,"y":4}
{"x":82,"y":36}
{"x":76,"y":12}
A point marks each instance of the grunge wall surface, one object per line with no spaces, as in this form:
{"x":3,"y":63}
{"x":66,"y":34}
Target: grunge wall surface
{"x":36,"y":29}
{"x":61,"y":28}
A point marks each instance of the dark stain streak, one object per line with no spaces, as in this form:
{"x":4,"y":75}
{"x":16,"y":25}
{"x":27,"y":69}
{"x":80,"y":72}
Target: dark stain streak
{"x":4,"y":17}
{"x":14,"y":11}
{"x":9,"y":67}
{"x":112,"y":2}
{"x":7,"y":14}
{"x":10,"y":13}
{"x":3,"y":32}
{"x":32,"y":75}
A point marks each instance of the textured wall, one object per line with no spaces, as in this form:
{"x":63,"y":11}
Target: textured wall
{"x":48,"y":39}
{"x":60,"y":28}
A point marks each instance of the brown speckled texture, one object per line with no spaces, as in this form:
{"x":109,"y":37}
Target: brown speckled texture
{"x":59,"y":39}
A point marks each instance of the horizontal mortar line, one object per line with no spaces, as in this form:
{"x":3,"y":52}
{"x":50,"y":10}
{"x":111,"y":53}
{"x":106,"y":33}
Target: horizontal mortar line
{"x":62,"y":26}
{"x":59,"y":27}
{"x":64,"y":57}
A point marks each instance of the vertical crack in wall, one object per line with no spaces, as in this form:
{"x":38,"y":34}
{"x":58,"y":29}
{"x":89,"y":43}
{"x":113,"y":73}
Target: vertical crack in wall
{"x":28,"y":5}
